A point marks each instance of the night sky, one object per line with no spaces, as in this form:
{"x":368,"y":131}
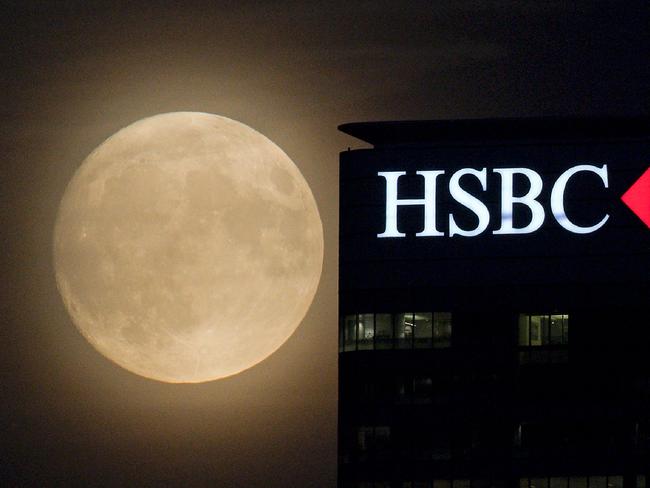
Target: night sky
{"x":72,"y":74}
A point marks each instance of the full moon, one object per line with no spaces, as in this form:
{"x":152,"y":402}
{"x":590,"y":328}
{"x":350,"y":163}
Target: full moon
{"x":187,"y":247}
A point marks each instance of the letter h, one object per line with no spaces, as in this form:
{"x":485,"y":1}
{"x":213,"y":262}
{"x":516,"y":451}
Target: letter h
{"x":429,"y":202}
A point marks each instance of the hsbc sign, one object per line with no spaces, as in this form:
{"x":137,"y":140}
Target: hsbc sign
{"x":637,"y":198}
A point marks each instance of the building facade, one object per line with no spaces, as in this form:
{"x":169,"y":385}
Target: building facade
{"x":494,"y":299}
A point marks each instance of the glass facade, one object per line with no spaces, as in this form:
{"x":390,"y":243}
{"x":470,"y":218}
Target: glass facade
{"x":600,"y":481}
{"x":421,"y":410}
{"x":412,"y":330}
{"x":573,"y":482}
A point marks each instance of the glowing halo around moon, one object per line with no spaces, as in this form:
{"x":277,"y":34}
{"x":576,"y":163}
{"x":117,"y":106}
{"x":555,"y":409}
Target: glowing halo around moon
{"x":187,"y":247}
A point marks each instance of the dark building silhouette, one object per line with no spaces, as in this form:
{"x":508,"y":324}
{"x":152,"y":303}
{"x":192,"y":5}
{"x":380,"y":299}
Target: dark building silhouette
{"x":504,"y":355}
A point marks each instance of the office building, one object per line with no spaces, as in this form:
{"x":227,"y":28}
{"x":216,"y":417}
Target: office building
{"x":495,"y":304}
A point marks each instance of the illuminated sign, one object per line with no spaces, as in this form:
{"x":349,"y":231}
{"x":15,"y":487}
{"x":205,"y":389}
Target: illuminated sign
{"x":636,"y":199}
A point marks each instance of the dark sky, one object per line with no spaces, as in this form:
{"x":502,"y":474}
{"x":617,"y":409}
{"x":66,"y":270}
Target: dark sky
{"x":73,"y":74}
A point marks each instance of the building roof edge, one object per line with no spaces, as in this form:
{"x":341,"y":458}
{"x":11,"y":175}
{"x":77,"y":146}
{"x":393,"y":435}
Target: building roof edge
{"x":407,"y":132}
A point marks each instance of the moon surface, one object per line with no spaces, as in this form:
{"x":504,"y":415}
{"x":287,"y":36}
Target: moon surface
{"x":187,"y":247}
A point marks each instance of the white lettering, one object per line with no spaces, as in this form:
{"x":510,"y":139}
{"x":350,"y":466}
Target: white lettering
{"x":472,"y":203}
{"x":529,"y":199}
{"x":469,"y":201}
{"x":429,"y":202}
{"x":557,"y":198}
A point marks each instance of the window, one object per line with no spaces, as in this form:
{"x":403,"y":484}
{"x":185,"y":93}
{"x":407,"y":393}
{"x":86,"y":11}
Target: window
{"x":372,"y":437}
{"x":349,"y":333}
{"x":419,"y":330}
{"x":543,"y":338}
{"x":423,"y":326}
{"x":539,"y":483}
{"x":417,"y":389}
{"x":383,"y":331}
{"x":364,"y":438}
{"x":578,"y":482}
{"x":459,"y":483}
{"x":365,"y":331}
{"x":597,"y":482}
{"x":614,"y":482}
{"x":559,"y":482}
{"x":573,"y":482}
{"x":404,"y":330}
{"x":542,"y":330}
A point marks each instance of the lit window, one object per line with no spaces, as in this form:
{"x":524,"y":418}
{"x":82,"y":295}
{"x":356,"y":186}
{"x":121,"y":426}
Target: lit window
{"x":481,"y":483}
{"x":404,"y":330}
{"x":597,"y":482}
{"x":423,"y":327}
{"x":365,"y":330}
{"x":420,"y":330}
{"x":535,"y":483}
{"x":614,"y":482}
{"x":557,"y":482}
{"x":542,"y":330}
{"x":578,"y":482}
{"x":573,"y":482}
{"x":543,"y":338}
{"x":383,"y":331}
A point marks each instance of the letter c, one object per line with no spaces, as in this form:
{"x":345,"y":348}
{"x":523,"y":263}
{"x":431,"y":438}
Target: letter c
{"x":557,"y":198}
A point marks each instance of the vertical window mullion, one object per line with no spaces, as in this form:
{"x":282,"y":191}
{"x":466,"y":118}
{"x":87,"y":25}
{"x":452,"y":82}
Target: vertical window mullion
{"x":433,"y":330}
{"x":413,"y":330}
{"x":356,"y":332}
